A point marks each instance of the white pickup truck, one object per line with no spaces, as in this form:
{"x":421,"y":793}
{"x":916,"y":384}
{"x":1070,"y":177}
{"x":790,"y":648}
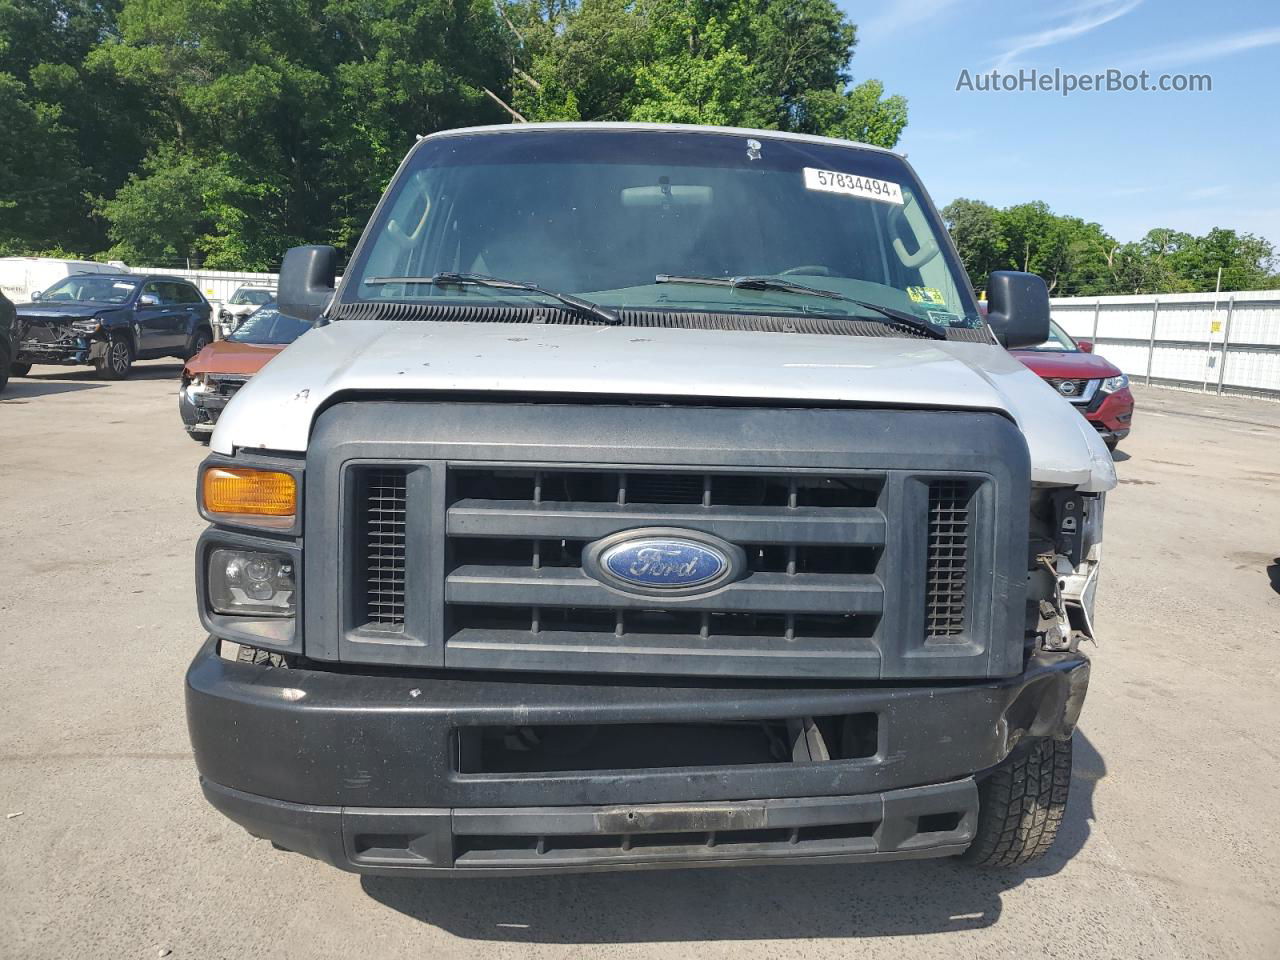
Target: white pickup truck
{"x":647,"y":496}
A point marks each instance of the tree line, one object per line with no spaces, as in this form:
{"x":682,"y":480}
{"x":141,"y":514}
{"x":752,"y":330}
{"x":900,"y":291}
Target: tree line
{"x":221,"y":132}
{"x":1080,"y":259}
{"x":218,"y":133}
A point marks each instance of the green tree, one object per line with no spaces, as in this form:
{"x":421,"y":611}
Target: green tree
{"x":66,"y":135}
{"x":287,"y":131}
{"x":772,"y":64}
{"x":976,"y":229}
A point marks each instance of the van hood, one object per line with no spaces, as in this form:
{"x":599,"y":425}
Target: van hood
{"x":275,"y":410}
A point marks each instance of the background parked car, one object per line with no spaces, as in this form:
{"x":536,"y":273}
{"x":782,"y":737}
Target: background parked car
{"x":108,"y":321}
{"x":7,"y":315}
{"x":23,"y":278}
{"x":1094,"y":386}
{"x":242,"y":303}
{"x":212,"y":377}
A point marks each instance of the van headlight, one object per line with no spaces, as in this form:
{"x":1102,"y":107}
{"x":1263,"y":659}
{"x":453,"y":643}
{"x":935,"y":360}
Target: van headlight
{"x":1112,"y":384}
{"x":251,"y":582}
{"x":198,"y":384}
{"x":86,"y":327}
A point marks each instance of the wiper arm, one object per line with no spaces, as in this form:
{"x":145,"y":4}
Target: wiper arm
{"x":603,"y":314}
{"x":900,"y":317}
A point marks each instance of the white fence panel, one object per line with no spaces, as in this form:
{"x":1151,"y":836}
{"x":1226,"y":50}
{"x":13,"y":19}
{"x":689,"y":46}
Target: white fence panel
{"x":1225,"y":342}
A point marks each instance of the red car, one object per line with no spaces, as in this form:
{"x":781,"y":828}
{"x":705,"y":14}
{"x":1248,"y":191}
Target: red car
{"x":211,"y":378}
{"x":1092,"y":385}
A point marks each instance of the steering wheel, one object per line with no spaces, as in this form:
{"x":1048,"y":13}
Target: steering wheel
{"x":808,"y":269}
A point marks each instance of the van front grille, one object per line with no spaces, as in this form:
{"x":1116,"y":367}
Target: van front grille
{"x":464,"y":535}
{"x":946,"y":576}
{"x":384,"y":509}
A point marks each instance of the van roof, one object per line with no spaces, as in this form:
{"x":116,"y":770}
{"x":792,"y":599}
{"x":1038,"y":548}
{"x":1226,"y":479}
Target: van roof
{"x":659,"y":127}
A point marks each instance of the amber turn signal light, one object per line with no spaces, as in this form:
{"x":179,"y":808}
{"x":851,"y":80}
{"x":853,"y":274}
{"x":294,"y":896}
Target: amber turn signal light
{"x":262,"y":498}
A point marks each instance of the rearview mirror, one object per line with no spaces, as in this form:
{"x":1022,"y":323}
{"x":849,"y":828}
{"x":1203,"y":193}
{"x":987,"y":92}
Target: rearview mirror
{"x":307,"y":281}
{"x":1086,"y":346}
{"x":1018,"y":308}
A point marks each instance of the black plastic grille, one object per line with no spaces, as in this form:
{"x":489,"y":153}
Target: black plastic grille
{"x":226,"y":386}
{"x":384,"y":531}
{"x":947,"y":573}
{"x":1077,"y":391}
{"x":559,"y":499}
{"x":547,"y":313}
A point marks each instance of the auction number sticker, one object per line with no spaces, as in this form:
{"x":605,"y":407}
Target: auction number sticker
{"x":832,"y":181}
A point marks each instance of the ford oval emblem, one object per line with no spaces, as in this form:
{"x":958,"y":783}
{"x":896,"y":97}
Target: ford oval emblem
{"x":663,"y":560}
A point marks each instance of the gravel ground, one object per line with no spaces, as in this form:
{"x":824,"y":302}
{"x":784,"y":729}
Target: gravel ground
{"x":1171,"y":846}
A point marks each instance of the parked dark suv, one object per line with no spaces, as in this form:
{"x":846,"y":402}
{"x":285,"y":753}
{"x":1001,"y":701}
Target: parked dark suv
{"x":108,"y":321}
{"x":6,"y":343}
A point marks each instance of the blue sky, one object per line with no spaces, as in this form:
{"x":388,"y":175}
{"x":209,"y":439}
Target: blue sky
{"x":1130,"y":161}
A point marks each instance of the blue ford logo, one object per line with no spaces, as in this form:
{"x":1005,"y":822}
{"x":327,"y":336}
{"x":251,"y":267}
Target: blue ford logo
{"x":661,"y":560}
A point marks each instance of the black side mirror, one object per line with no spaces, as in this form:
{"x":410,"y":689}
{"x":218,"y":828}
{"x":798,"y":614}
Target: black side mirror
{"x":307,"y":281}
{"x":1018,"y":308}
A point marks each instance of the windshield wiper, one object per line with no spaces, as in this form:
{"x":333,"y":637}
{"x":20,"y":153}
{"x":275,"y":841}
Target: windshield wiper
{"x":603,"y":314}
{"x":900,"y":317}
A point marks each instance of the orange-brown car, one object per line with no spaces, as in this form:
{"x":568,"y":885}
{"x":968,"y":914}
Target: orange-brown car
{"x":211,"y":378}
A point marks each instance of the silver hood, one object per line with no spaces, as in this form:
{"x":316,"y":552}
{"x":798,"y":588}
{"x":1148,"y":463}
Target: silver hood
{"x":275,"y":410}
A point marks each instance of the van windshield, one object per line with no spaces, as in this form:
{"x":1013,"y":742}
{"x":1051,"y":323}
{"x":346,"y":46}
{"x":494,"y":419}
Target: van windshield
{"x":603,"y":214}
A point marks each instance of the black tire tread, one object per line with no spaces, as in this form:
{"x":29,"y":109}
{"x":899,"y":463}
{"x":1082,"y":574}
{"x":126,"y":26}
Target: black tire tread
{"x":1021,"y":805}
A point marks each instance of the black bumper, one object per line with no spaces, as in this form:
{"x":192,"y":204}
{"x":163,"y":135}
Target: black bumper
{"x":200,"y":412}
{"x":75,"y":351}
{"x":361,"y":770}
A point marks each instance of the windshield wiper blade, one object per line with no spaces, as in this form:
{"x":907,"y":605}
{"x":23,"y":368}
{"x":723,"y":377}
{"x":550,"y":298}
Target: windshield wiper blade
{"x":603,"y":314}
{"x":900,"y":317}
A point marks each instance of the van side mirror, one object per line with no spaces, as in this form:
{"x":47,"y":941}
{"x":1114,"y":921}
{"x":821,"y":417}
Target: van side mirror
{"x":148,"y":300}
{"x":36,"y":295}
{"x":1086,"y":346}
{"x":307,"y":281}
{"x":1018,"y":308}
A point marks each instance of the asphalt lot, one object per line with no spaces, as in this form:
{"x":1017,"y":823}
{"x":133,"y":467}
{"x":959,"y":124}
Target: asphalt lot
{"x":1171,"y":846}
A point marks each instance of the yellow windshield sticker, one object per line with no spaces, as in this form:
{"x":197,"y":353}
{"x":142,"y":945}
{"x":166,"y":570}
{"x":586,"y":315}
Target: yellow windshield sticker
{"x":930,"y":295}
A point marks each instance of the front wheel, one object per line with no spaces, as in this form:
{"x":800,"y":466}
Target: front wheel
{"x":116,"y":362}
{"x":1021,"y":804}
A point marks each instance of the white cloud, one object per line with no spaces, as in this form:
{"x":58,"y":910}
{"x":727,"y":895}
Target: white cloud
{"x":1081,"y":19}
{"x":898,"y":16}
{"x":1210,"y":48}
{"x":1205,"y":193}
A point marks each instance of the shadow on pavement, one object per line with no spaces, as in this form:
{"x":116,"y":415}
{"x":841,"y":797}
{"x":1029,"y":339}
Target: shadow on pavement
{"x":871,"y":900}
{"x":142,"y":370}
{"x":27,"y":388}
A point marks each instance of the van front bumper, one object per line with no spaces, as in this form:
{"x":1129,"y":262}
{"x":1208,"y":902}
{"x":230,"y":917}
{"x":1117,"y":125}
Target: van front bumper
{"x":361,"y":769}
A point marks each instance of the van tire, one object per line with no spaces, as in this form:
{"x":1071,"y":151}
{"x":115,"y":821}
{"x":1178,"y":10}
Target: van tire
{"x":116,"y":362}
{"x":1021,"y":805}
{"x":19,"y":369}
